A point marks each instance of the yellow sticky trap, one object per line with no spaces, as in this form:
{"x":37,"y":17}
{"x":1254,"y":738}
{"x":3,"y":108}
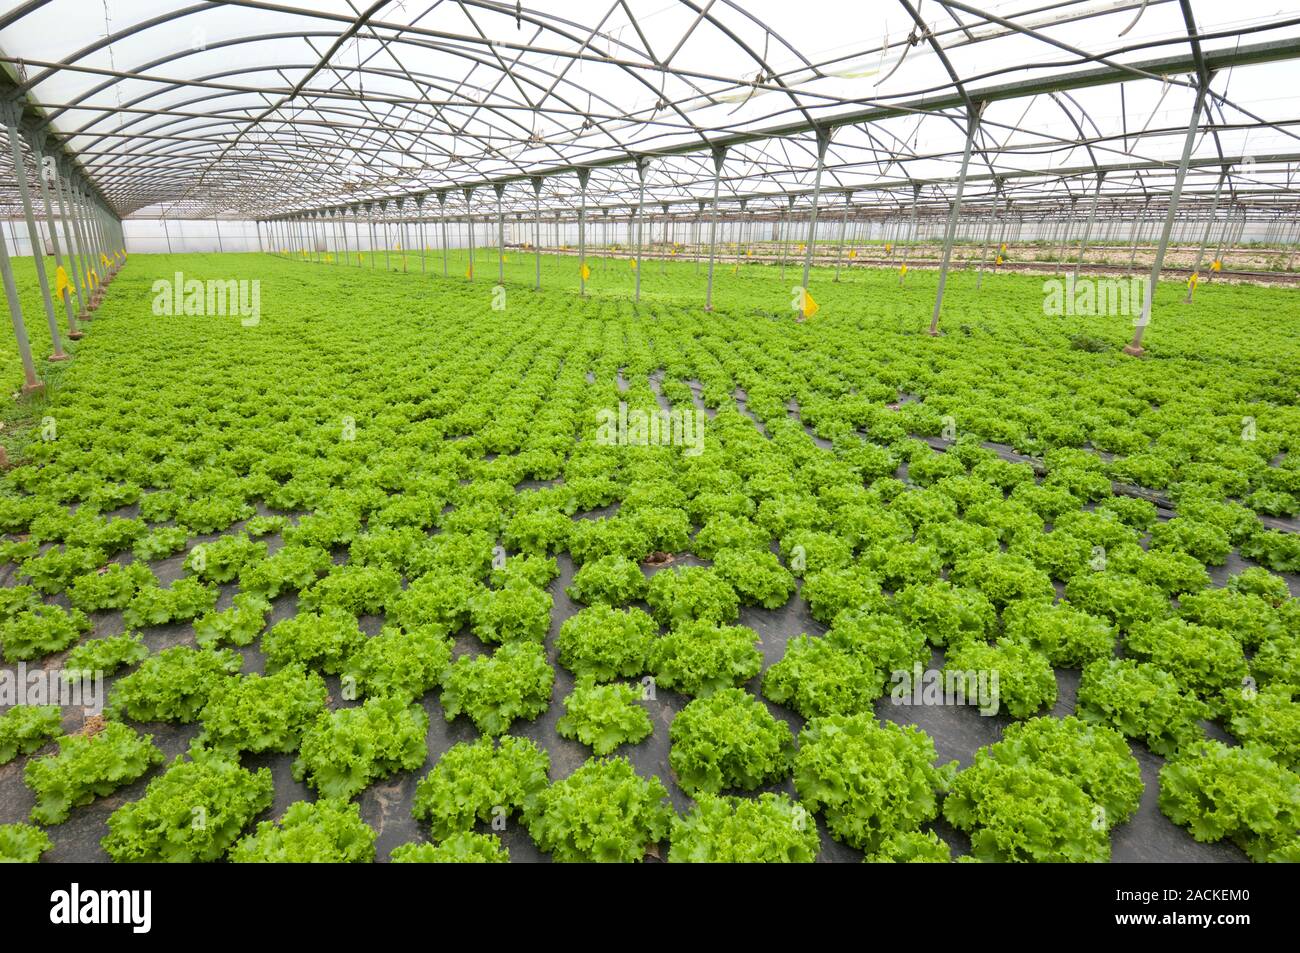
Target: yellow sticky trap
{"x":853,"y":253}
{"x":103,"y":259}
{"x":999,"y":261}
{"x":632,"y":263}
{"x":674,"y":251}
{"x":469,"y":273}
{"x":585,"y":272}
{"x":1216,"y":266}
{"x":1004,"y":248}
{"x":735,"y":269}
{"x":358,"y":258}
{"x":902,"y":271}
{"x":1195,"y":280}
{"x":810,"y":307}
{"x":888,"y":248}
{"x":801,"y":248}
{"x":504,"y":260}
{"x":60,"y":282}
{"x":397,"y":247}
{"x":329,"y":259}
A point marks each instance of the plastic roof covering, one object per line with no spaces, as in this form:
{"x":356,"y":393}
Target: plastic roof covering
{"x":248,"y":109}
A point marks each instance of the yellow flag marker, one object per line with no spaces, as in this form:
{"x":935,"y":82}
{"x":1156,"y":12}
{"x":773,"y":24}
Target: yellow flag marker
{"x":585,"y":272}
{"x":632,"y":263}
{"x":1195,"y":280}
{"x":810,"y":307}
{"x":60,"y":282}
{"x":1216,"y":265}
{"x":902,"y":271}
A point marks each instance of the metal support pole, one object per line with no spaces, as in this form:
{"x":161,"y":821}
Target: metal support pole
{"x":972,"y":122}
{"x":583,"y":176}
{"x":537,"y":232}
{"x":785,"y":233}
{"x":31,"y":382}
{"x":911,"y":237}
{"x":76,"y":253}
{"x":823,"y":142}
{"x":469,"y":221}
{"x":844,"y":224}
{"x":12,"y":117}
{"x":719,"y":154}
{"x":1137,"y":233}
{"x":1087,"y":229}
{"x":1135,"y":348}
{"x":988,"y":233}
{"x":1065,"y":231}
{"x":641,"y":165}
{"x":49,"y":169}
{"x":1205,"y":236}
{"x":501,"y":236}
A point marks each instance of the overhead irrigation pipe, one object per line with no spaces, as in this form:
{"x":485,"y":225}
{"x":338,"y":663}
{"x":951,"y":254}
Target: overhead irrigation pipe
{"x":13,"y":115}
{"x":972,"y":124}
{"x":1087,"y":229}
{"x":1205,"y":237}
{"x":1135,"y":347}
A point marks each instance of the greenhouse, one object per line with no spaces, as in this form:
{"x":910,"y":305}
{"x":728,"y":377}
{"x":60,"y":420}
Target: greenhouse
{"x":452,"y":431}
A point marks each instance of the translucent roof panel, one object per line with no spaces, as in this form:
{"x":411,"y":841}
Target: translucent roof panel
{"x":253,"y":109}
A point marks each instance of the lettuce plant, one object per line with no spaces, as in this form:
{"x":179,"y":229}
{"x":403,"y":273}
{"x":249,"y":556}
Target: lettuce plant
{"x":481,"y":781}
{"x":311,"y":832}
{"x":604,"y":643}
{"x":817,"y":678}
{"x":603,"y":717}
{"x":603,"y":812}
{"x":769,"y":829}
{"x":346,"y":750}
{"x":85,"y":767}
{"x":25,"y":728}
{"x":871,"y":780}
{"x":728,"y":740}
{"x":1142,"y":701}
{"x":173,"y":685}
{"x":462,"y":847}
{"x":194,"y":811}
{"x":698,"y":658}
{"x":513,"y":683}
